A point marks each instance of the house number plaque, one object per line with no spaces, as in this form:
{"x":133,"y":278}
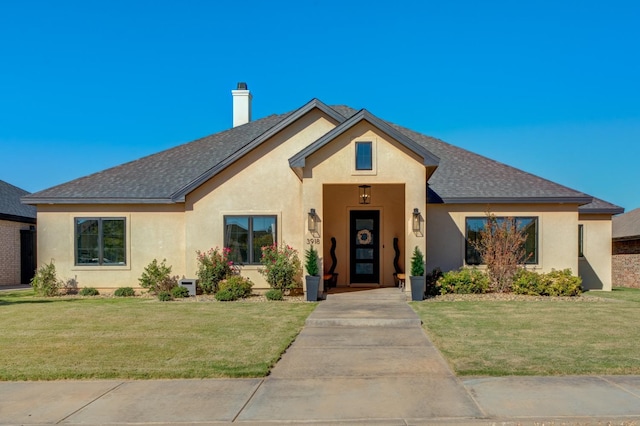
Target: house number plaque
{"x":313,"y":241}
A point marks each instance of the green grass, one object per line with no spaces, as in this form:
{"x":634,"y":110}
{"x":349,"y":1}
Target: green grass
{"x":140,"y":338}
{"x":500,"y":338}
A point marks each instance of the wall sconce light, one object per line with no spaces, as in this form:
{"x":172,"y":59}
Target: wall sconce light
{"x":313,"y":221}
{"x":365,"y":194}
{"x":415,"y":222}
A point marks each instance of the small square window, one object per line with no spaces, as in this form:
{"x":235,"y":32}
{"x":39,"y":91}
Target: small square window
{"x":364,"y":156}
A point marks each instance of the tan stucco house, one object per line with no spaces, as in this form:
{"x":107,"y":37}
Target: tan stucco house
{"x":17,"y":236}
{"x":312,"y":176}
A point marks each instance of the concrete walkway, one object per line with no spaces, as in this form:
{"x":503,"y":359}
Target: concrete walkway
{"x":362,"y":358}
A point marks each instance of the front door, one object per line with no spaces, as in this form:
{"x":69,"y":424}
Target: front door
{"x":365,"y":246}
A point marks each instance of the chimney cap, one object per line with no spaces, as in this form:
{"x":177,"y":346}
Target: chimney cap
{"x":242,"y":85}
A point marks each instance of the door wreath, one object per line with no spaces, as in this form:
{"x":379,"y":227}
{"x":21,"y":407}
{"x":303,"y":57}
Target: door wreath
{"x":364,"y":237}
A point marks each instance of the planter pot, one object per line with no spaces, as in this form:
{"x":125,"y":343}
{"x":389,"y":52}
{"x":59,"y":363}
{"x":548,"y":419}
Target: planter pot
{"x":313,"y":285}
{"x":417,"y":287}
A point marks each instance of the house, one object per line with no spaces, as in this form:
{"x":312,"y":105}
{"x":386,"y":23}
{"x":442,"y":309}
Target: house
{"x":313,"y":176}
{"x":17,"y":237}
{"x":626,"y":249}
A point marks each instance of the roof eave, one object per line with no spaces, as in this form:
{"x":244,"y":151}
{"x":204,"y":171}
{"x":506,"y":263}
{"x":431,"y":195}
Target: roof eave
{"x":517,"y":200}
{"x":602,"y":210}
{"x":89,"y":200}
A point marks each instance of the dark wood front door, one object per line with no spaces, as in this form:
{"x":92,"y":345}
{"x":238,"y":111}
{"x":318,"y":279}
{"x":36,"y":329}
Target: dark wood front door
{"x":365,"y":246}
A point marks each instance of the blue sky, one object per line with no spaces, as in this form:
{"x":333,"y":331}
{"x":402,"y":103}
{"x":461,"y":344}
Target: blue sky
{"x":550,"y":87}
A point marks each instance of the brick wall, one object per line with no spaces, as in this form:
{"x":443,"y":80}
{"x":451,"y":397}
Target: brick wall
{"x":626,"y":263}
{"x":10,"y":251}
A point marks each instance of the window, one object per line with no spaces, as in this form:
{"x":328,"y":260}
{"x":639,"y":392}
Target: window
{"x":100,"y":241}
{"x":476,"y":224}
{"x":246,"y":235}
{"x":580,"y":240}
{"x":364,"y":156}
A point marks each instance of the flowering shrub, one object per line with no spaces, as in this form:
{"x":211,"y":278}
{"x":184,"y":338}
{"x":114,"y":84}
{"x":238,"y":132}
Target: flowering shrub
{"x":213,"y":266}
{"x":282,"y":267}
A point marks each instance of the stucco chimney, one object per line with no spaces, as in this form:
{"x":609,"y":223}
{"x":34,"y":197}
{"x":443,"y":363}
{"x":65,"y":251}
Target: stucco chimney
{"x":241,"y":105}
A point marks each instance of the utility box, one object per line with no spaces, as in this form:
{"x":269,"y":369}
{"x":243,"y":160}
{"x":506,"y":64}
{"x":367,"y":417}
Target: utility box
{"x":189,"y":284}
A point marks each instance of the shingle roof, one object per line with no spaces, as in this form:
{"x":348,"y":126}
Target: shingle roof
{"x":627,"y":226}
{"x":10,"y":205}
{"x":461,"y":177}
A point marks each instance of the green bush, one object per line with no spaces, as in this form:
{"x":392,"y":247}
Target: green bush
{"x":274,"y":294}
{"x":45,"y":282}
{"x":237,"y":285}
{"x":124,"y":292}
{"x":282,"y":267}
{"x":89,"y":291}
{"x":563,"y":283}
{"x":529,"y":283}
{"x":213,"y":266}
{"x":417,"y":263}
{"x":311,"y":261}
{"x":554,"y":283}
{"x":464,"y":281}
{"x":164,"y":296}
{"x":226,"y":295}
{"x":179,"y":292}
{"x":157,"y":277}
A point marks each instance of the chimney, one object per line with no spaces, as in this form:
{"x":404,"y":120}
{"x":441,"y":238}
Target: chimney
{"x":241,"y":105}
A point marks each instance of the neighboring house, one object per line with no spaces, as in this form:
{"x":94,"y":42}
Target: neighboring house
{"x":306,"y":177}
{"x":17,"y":237}
{"x":626,"y":249}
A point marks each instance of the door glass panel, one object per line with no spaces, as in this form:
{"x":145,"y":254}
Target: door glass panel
{"x":364,"y":254}
{"x":364,"y":224}
{"x":364,"y":268}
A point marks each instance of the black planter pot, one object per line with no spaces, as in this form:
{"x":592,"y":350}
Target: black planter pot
{"x":313,"y":285}
{"x":417,"y":287}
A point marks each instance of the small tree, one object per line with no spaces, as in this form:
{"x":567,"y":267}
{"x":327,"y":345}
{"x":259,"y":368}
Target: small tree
{"x":502,"y":248}
{"x":157,"y":277}
{"x":417,"y":263}
{"x":311,"y":261}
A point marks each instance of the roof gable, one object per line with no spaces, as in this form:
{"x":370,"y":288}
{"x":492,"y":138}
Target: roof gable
{"x":299,"y":160}
{"x":10,"y":206}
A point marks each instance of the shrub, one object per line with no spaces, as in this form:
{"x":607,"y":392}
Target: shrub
{"x":89,"y":291}
{"x":164,"y":296}
{"x":529,"y":283}
{"x":282,"y":267}
{"x":431,"y":283}
{"x":124,"y":292}
{"x":417,"y":263}
{"x":213,"y":266}
{"x":239,"y":286}
{"x":563,"y":283}
{"x":311,"y":261}
{"x":464,"y":281}
{"x":179,"y":292}
{"x":157,"y":277}
{"x":226,"y":295}
{"x":274,"y":294}
{"x":45,"y":282}
{"x":554,"y":283}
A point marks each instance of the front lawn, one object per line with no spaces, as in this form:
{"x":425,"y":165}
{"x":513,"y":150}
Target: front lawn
{"x":551,"y":337}
{"x":141,"y":338}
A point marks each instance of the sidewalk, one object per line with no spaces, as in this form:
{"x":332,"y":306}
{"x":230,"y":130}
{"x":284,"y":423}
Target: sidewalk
{"x":362,"y":358}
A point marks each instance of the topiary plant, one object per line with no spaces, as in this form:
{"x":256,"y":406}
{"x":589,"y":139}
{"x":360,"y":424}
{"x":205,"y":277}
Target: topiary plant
{"x":311,"y":261}
{"x":417,"y":263}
